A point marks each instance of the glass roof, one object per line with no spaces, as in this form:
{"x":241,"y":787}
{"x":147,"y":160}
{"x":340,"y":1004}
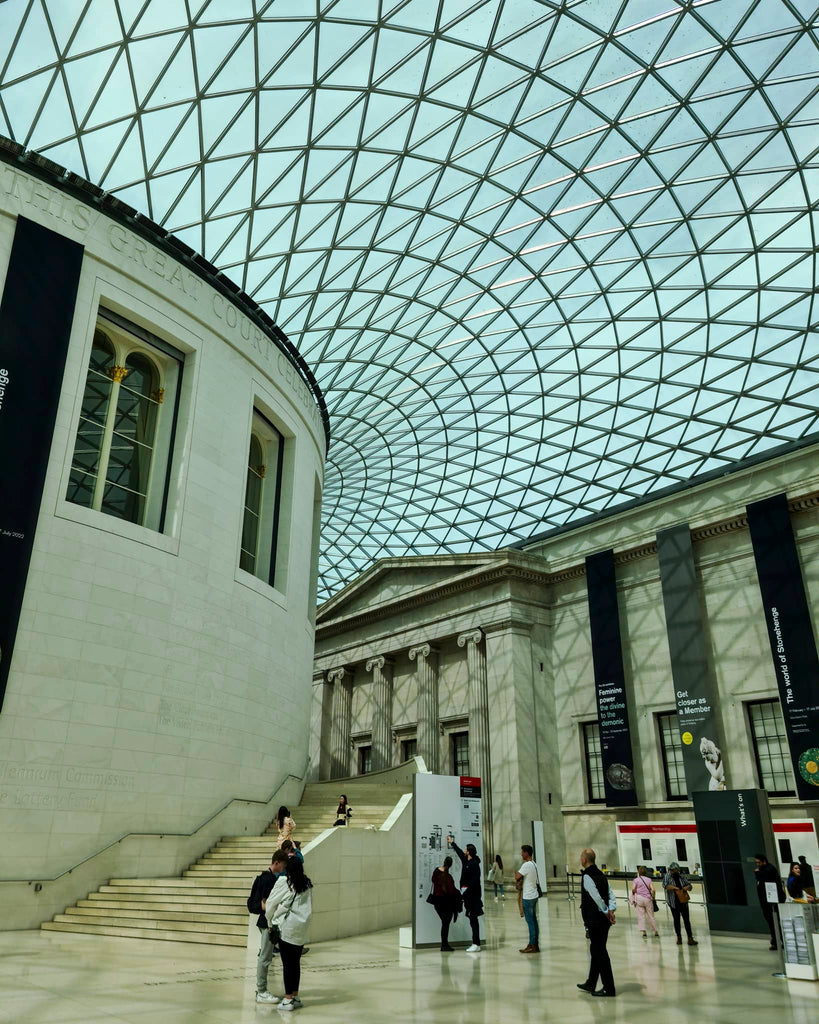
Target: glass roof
{"x":543,"y":257}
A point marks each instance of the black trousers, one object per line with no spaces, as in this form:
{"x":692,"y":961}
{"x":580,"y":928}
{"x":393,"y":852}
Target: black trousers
{"x":476,"y":929}
{"x":681,"y":911}
{"x":291,"y":965}
{"x":600,"y":965}
{"x":446,"y":921}
{"x":768,"y":912}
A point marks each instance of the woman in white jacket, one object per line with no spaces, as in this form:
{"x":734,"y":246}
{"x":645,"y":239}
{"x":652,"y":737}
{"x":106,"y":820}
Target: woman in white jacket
{"x":289,"y":906}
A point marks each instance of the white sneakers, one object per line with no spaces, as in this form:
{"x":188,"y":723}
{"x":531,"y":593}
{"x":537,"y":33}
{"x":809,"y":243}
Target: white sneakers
{"x":266,"y":997}
{"x":291,"y":1004}
{"x":473,"y":948}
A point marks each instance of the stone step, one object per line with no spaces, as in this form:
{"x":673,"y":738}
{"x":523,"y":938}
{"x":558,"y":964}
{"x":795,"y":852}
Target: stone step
{"x":118,"y":910}
{"x":176,"y":926}
{"x":207,"y":903}
{"x":146,"y":933}
{"x":162,"y":888}
{"x":157,"y":884}
{"x":151,"y":899}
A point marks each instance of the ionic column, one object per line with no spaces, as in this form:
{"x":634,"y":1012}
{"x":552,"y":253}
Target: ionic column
{"x":479,"y":726}
{"x":320,"y":719}
{"x":426,"y":675}
{"x":381,"y":669}
{"x":342,"y":680}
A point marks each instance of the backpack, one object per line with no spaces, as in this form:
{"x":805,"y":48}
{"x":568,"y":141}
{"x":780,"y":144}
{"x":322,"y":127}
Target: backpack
{"x":254,"y":900}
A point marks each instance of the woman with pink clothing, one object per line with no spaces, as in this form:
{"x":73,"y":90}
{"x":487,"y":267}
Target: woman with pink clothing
{"x":642,"y":897}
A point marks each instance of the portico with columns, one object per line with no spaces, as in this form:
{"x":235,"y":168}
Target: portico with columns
{"x":438,"y":653}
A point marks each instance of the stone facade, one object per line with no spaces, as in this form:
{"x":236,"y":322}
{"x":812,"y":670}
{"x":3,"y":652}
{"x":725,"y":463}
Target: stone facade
{"x":498,"y":645}
{"x":150,"y":670}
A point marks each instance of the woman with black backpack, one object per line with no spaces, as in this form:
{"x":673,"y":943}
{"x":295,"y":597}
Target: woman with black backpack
{"x":288,"y":911}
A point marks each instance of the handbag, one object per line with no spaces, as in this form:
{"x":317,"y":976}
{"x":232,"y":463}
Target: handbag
{"x":683,"y":896}
{"x":275,"y":930}
{"x":537,"y":883}
{"x":655,"y":906}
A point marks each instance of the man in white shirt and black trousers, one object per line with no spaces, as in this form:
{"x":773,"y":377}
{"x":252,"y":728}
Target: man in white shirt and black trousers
{"x":527,"y":873}
{"x":597,"y":906}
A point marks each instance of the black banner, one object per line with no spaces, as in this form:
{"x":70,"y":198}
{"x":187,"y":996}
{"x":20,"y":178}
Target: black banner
{"x":702,"y":754}
{"x":790,"y":632}
{"x":610,"y":681}
{"x":35,"y":324}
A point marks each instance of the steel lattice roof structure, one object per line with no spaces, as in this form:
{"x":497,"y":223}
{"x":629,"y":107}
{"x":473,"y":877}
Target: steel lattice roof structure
{"x":544,"y":258}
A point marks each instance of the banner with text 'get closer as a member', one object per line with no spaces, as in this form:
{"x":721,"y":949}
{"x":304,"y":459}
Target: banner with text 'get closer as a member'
{"x":696,"y":716}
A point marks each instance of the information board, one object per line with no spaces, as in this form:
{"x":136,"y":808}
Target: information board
{"x":442,"y":805}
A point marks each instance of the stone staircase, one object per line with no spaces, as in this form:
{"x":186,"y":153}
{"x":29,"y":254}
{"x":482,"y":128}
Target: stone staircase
{"x":207,"y":904}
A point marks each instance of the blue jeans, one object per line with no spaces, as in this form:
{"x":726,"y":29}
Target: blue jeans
{"x":530,"y":914}
{"x":498,"y":885}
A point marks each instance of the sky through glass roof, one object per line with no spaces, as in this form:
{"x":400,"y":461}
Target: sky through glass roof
{"x":543,"y":258}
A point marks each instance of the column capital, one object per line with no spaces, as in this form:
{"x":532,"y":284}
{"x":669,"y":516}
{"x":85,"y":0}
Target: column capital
{"x":336,"y":675}
{"x":421,"y":651}
{"x":378,"y":662}
{"x":472,"y":636}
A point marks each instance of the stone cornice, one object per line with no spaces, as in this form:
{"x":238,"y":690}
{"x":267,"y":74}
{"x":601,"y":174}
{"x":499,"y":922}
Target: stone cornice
{"x":509,"y":570}
{"x":419,"y":599}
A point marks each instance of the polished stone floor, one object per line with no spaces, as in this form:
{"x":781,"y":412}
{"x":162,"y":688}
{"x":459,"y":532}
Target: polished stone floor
{"x":48,"y":978}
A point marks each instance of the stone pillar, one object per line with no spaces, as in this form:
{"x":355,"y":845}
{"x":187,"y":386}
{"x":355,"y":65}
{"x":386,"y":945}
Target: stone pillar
{"x":320,"y":719}
{"x":426,"y":675}
{"x":524,"y":744}
{"x":342,"y":680}
{"x":381,"y":669}
{"x":479,"y":728}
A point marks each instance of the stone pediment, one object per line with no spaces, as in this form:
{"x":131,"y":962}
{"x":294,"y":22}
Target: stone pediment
{"x":392,"y":578}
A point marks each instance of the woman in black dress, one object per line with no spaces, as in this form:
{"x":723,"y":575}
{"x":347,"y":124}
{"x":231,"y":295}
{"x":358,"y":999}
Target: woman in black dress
{"x":471,"y":889}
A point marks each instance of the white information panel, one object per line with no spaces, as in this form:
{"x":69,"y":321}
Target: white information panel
{"x":442,"y":805}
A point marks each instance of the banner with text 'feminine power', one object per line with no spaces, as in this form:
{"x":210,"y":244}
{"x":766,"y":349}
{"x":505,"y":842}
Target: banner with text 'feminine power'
{"x":610,"y":681}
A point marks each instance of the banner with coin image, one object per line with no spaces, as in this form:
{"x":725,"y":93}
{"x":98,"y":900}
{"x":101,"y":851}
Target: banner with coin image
{"x":702,"y":754}
{"x":790,"y":632}
{"x":610,"y":681}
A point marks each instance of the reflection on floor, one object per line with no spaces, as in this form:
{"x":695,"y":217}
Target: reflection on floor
{"x":49,"y":978}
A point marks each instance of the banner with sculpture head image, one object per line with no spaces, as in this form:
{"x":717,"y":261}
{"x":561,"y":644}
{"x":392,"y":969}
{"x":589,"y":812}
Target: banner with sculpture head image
{"x":702,"y":753}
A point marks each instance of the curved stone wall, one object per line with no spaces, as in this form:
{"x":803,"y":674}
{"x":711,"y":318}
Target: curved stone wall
{"x":152,"y":677}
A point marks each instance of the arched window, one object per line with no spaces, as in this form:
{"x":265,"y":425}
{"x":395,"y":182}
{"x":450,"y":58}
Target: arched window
{"x":132,"y":440}
{"x":93,"y":417}
{"x":263,"y":482}
{"x":253,"y":506}
{"x":122,"y":451}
